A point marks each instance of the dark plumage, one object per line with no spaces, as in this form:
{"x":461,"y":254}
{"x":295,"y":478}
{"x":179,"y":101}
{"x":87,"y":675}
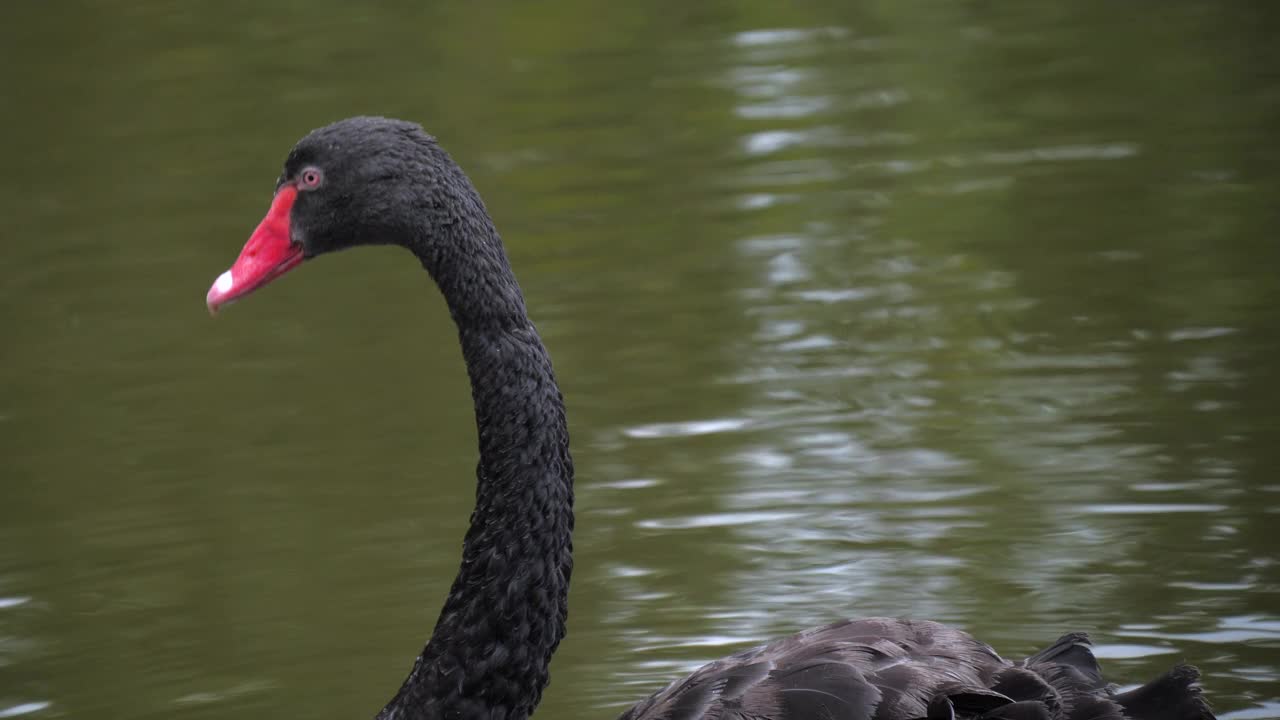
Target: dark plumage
{"x":378,"y":181}
{"x":894,"y":669}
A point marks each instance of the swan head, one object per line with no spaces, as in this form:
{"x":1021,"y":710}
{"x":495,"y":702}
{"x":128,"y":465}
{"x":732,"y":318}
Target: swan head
{"x":359,"y":181}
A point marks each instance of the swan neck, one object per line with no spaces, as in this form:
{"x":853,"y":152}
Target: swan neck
{"x":505,"y":613}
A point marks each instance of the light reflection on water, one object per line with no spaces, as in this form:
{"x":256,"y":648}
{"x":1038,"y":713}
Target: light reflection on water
{"x":809,"y":468}
{"x":852,"y":318}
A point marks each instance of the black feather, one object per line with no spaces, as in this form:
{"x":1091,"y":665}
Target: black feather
{"x":1175,"y":695}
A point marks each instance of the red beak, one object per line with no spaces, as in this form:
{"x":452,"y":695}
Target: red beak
{"x":268,"y":255}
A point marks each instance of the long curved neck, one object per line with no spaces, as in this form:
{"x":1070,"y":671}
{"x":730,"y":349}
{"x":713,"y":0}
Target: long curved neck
{"x":505,"y":614}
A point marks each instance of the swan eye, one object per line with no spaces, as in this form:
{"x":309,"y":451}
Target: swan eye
{"x":310,"y":178}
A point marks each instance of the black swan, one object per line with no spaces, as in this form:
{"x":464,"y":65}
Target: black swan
{"x":366,"y":181}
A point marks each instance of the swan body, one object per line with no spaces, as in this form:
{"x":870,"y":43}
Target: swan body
{"x":367,"y":181}
{"x":897,"y":669}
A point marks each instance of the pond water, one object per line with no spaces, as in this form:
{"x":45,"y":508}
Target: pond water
{"x":920,"y":308}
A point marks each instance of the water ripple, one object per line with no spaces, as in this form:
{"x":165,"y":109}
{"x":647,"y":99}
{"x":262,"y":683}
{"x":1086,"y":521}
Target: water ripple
{"x":1150,"y":508}
{"x":786,"y":36}
{"x":687,"y":428}
{"x":21,"y":709}
{"x":712,"y":520}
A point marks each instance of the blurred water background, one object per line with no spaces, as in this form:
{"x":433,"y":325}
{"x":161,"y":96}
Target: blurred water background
{"x":960,"y":310}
